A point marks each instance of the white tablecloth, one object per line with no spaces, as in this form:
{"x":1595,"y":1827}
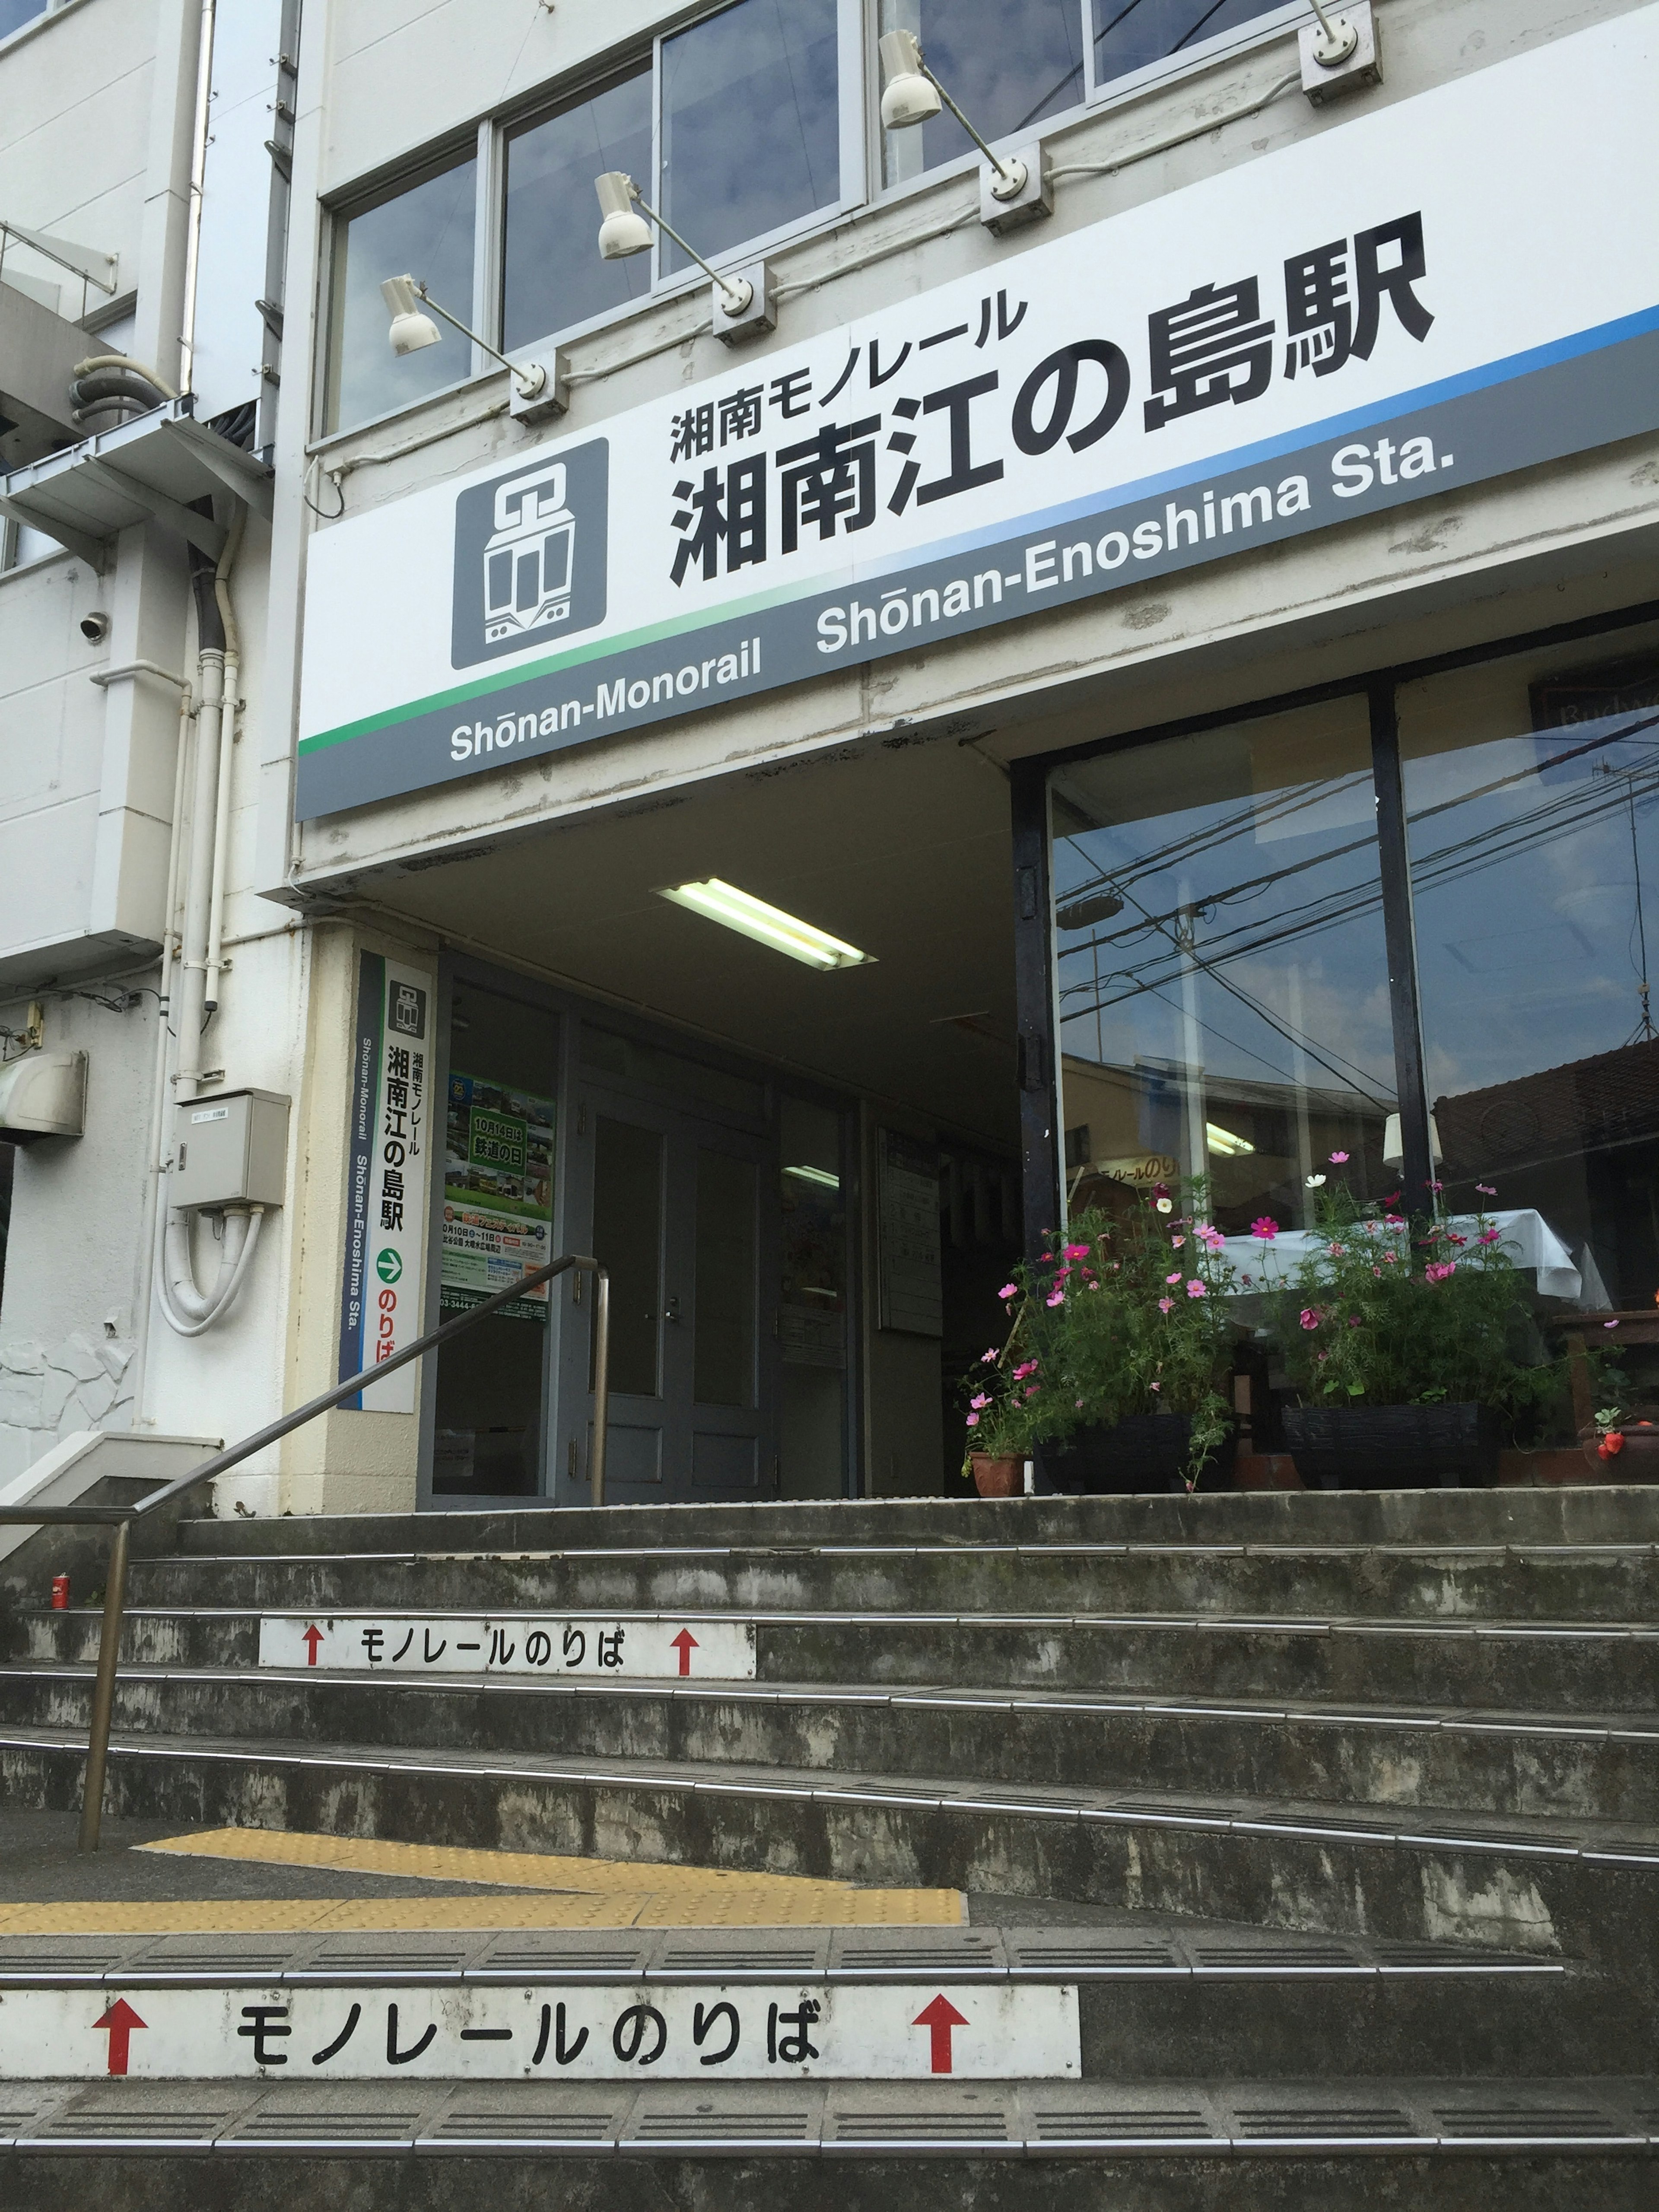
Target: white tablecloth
{"x":1527,"y":1238}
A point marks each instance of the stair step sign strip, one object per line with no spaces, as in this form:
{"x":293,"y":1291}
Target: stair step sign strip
{"x":619,"y":2031}
{"x":646,"y":1646}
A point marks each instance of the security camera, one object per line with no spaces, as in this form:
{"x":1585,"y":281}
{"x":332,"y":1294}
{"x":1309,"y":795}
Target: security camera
{"x":94,"y":628}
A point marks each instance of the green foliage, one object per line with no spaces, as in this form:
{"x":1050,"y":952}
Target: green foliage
{"x":1388,"y":1312}
{"x":1127,"y":1316}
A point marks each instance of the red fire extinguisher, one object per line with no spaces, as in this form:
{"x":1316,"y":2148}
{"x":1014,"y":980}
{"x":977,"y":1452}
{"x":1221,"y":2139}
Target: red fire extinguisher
{"x":60,"y":1592}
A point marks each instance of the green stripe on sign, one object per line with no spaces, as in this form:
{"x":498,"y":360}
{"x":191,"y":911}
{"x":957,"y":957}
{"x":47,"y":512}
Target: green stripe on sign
{"x":480,"y":686}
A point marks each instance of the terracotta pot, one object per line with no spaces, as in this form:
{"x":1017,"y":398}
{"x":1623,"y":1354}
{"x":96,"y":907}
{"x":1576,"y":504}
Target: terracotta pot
{"x":998,"y":1478}
{"x":1636,"y":1460}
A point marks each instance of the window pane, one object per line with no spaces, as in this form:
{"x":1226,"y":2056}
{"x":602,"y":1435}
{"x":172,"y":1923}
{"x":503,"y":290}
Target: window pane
{"x":553,"y":276}
{"x":13,"y":14}
{"x":1006,"y":63}
{"x":1224,"y":995}
{"x":1534,"y":845}
{"x":628,"y":1164}
{"x":1130,"y":34}
{"x":425,"y":233}
{"x":750,"y":123}
{"x":724,"y":1365}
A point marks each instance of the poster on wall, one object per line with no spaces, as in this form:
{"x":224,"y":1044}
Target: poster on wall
{"x":387,"y":1167}
{"x":498,"y":1194}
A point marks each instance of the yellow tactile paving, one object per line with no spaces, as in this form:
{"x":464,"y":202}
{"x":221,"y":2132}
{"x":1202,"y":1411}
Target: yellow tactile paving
{"x":720,"y":1898}
{"x":541,"y":1890}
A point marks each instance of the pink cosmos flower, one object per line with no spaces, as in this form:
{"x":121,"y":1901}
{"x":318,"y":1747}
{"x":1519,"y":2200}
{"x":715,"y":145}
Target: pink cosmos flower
{"x":1057,"y":1299}
{"x":973,"y":1420}
{"x":1609,"y":1324}
{"x":1267,"y":1229}
{"x":1197,"y":1290}
{"x":1029,"y":1368}
{"x":1008,"y":1290}
{"x":1164,"y":1305}
{"x":1486,"y":1189}
{"x":1177,"y":1242}
{"x":1491,"y":1236}
{"x":1338,"y":1160}
{"x":1158,"y":1386}
{"x":1390,"y":1259}
{"x":988,"y":1359}
{"x":1077,"y":1251}
{"x":1438,"y":1270}
{"x":1175,"y":1278}
{"x":1208,"y":1235}
{"x":1393,"y":1221}
{"x":980,"y":1403}
{"x":1310,"y":1317}
{"x":1031,"y":1389}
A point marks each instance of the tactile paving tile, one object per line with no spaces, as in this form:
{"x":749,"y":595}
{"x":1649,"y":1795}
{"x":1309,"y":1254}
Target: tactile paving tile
{"x":1245,"y":1955}
{"x":1088,"y":2116}
{"x":742,"y":1954}
{"x":294,"y":2117}
{"x":962,"y":1950}
{"x":65,"y":1958}
{"x":777,"y":2117}
{"x":948,"y":2120}
{"x":531,"y":1955}
{"x":528,"y":2114}
{"x":1078,"y":1951}
{"x":409,"y":1961}
{"x":1511,"y":2119}
{"x":151,"y":2114}
{"x":1303,"y":2119}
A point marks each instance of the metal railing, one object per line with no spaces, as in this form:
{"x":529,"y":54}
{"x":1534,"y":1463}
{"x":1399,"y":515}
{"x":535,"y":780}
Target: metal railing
{"x":119,"y":1518}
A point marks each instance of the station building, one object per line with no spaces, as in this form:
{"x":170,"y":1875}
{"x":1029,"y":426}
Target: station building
{"x":1128,"y":653}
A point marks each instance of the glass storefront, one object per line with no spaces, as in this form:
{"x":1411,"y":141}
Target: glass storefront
{"x":1221,"y":973}
{"x":1261,"y":964}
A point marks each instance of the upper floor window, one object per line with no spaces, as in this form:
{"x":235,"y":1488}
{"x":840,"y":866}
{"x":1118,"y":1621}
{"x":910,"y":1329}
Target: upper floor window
{"x":424,"y":230}
{"x":552,"y":278}
{"x":13,"y":14}
{"x":750,"y":123}
{"x":1005,"y":66}
{"x":1133,"y":34}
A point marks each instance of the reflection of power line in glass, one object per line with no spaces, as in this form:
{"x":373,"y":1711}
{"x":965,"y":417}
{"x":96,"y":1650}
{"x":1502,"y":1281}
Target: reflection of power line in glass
{"x":1644,"y":1029}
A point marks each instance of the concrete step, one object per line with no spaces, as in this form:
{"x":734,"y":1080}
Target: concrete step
{"x":1529,"y":2146}
{"x":1588,"y":1890}
{"x":1575,"y":1515}
{"x":1132,"y":1996}
{"x":1572,"y":1667}
{"x":1570,"y":1767}
{"x":1611,"y":1583}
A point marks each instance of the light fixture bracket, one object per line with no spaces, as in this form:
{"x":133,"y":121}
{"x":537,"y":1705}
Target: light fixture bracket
{"x":552,"y":396}
{"x":736,"y":325}
{"x":1340,"y":55}
{"x":1021,"y":192}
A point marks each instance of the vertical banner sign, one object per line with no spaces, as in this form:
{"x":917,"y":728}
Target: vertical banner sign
{"x":380,"y":1300}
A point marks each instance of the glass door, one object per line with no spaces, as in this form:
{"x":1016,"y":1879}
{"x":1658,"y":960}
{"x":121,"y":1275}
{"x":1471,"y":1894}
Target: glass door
{"x":672,"y":1205}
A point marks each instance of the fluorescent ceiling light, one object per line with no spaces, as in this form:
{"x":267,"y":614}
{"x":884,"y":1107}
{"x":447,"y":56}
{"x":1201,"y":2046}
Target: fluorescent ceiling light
{"x":1225,"y":1142}
{"x":816,"y":1174}
{"x":767,"y":925}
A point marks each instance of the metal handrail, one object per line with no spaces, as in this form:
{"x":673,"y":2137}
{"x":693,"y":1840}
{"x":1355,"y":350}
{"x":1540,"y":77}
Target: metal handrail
{"x":120,"y":1518}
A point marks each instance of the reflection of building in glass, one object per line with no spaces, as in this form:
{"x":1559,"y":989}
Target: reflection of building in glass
{"x":528,"y":560}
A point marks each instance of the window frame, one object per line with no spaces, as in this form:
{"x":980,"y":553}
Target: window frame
{"x":1036,"y":969}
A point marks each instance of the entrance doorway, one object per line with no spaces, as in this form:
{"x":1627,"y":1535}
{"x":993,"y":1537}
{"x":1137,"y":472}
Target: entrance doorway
{"x":675,"y":1205}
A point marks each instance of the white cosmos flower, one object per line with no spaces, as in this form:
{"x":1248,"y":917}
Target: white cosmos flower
{"x":1315,"y":1183}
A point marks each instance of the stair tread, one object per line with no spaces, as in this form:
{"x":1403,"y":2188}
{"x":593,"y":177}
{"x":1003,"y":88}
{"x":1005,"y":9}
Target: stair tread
{"x":1574,"y":1837}
{"x":1624,"y":1727}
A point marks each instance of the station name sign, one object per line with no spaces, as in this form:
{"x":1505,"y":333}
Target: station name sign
{"x":1422,"y":297}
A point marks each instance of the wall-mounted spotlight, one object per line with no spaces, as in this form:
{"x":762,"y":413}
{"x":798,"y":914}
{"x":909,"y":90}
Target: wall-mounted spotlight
{"x":537,"y":391}
{"x":1013,"y":189}
{"x":740,"y":306}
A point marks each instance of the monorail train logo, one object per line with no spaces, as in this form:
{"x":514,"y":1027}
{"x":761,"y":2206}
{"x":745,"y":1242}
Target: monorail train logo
{"x":530,"y":555}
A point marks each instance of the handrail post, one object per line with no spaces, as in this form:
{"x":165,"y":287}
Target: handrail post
{"x":601,"y":1384}
{"x":103,"y":1689}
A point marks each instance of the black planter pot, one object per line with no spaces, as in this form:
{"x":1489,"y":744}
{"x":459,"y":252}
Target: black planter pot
{"x":1393,"y":1447}
{"x":1145,"y":1453}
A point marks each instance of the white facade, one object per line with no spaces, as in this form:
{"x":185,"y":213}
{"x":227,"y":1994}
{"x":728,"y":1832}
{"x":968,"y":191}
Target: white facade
{"x":871,"y":799}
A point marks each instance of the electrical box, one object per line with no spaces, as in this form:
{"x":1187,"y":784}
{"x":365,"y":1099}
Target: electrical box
{"x":230,"y":1149}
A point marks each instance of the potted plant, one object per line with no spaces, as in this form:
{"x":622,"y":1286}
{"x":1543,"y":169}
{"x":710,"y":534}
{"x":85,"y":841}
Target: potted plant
{"x":1623,"y":1446}
{"x":1117,"y":1355}
{"x":1407,"y":1344}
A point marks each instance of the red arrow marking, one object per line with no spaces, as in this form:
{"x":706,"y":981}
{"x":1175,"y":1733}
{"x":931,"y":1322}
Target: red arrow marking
{"x":938,"y":2019}
{"x":311,"y":1639}
{"x":685,"y":1643}
{"x":120,"y":2020}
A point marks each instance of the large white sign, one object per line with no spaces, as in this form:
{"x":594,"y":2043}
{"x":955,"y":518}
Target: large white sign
{"x":620,"y":2031}
{"x":609,"y":1646}
{"x":1428,"y":293}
